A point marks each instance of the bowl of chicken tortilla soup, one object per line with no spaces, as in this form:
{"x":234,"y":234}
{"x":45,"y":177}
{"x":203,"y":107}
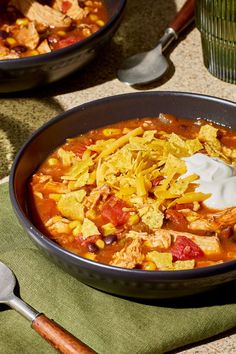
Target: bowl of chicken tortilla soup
{"x":133,"y":194}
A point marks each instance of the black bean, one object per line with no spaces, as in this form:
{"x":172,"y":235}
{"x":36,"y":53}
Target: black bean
{"x":3,"y":34}
{"x":81,"y":3}
{"x":92,"y":247}
{"x":110,"y":239}
{"x":20,"y":49}
{"x":73,"y":26}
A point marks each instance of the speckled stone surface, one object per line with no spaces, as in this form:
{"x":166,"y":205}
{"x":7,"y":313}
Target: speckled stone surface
{"x":142,"y":25}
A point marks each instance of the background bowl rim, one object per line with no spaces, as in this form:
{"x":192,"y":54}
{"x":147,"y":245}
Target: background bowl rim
{"x":41,"y":58}
{"x":45,"y":241}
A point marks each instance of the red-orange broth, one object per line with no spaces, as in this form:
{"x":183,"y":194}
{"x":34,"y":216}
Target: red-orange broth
{"x":119,"y":209}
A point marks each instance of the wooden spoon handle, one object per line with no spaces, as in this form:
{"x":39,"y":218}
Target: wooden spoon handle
{"x":184,"y":17}
{"x":63,"y":341}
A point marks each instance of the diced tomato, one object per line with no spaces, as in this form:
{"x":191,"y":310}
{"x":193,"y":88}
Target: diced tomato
{"x":157,"y":181}
{"x":48,"y":209}
{"x":176,"y":218}
{"x":112,"y":211}
{"x":65,"y":6}
{"x":77,"y":148}
{"x":67,"y":41}
{"x":184,"y":249}
{"x":184,"y":206}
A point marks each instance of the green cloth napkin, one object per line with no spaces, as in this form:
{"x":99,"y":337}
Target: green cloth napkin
{"x":109,"y":324}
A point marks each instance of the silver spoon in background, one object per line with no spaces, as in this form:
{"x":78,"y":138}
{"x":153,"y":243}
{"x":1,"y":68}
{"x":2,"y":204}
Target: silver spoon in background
{"x":143,"y":68}
{"x":58,"y":337}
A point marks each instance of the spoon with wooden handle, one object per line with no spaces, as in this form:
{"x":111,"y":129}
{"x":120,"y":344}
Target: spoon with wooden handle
{"x":63,"y":341}
{"x":146,"y":67}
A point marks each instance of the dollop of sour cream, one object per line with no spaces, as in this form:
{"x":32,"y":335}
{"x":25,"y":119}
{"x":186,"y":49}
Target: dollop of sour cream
{"x":215,"y":177}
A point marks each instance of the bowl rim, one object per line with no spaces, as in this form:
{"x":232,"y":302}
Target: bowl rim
{"x":46,"y":242}
{"x":43,"y":58}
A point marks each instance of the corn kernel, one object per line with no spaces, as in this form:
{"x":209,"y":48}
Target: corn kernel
{"x":111,"y":131}
{"x":90,"y":255}
{"x":52,"y":161}
{"x":86,"y":32}
{"x":55,"y":196}
{"x":133,"y":219}
{"x":11,"y":41}
{"x":93,"y":17}
{"x":33,"y":53}
{"x":73,"y":224}
{"x":100,"y":23}
{"x":91,"y":214}
{"x":88,"y":3}
{"x":231,"y":254}
{"x":22,"y":21}
{"x":149,"y":266}
{"x":77,"y":230}
{"x":100,"y":243}
{"x":108,"y":229}
{"x":61,"y":33}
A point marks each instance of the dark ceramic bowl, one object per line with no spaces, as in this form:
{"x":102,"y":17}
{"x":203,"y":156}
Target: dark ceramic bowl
{"x":27,"y":73}
{"x":125,"y":282}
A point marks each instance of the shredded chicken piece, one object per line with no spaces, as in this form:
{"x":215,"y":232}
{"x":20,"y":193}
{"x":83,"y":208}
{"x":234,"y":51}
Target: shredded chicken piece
{"x":27,"y":36}
{"x":98,"y":193}
{"x":160,"y":239}
{"x":57,"y":224}
{"x":226,"y":217}
{"x":34,"y":11}
{"x":74,"y":10}
{"x":215,"y":221}
{"x":129,"y":256}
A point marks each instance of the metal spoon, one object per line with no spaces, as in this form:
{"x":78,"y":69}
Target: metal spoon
{"x":149,"y":66}
{"x":58,"y":337}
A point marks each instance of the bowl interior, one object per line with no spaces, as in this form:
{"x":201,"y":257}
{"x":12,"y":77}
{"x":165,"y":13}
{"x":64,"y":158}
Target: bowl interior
{"x":97,"y":114}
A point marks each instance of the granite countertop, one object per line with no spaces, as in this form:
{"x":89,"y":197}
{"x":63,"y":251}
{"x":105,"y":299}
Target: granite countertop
{"x":142,"y":25}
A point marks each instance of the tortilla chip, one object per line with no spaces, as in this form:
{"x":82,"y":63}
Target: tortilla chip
{"x":89,"y":228}
{"x":151,"y":216}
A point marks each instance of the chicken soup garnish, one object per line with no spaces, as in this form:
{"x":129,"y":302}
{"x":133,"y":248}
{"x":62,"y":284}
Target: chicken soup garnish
{"x":151,"y":193}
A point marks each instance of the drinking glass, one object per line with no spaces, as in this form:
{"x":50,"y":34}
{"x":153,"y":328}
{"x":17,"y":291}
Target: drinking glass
{"x":216,"y":21}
